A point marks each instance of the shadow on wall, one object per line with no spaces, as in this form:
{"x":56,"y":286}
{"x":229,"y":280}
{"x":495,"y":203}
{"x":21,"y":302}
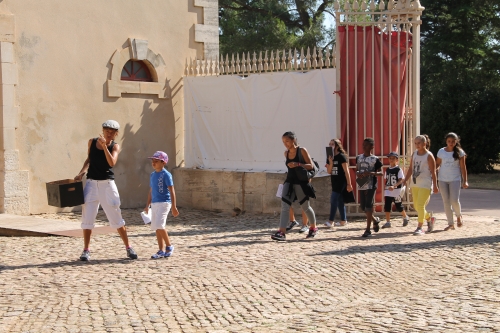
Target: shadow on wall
{"x":139,"y":141}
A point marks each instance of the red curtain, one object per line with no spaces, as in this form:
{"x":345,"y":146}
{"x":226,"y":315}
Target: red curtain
{"x":373,"y":75}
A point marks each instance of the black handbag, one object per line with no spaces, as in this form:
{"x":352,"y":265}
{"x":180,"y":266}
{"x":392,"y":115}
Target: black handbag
{"x":302,"y":173}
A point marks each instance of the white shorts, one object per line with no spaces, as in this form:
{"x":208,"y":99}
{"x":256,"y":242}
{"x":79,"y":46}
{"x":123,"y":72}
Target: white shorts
{"x":159,"y":213}
{"x":104,"y":193}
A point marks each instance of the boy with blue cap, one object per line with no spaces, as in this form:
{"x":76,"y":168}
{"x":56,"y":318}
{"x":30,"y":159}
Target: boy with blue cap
{"x":161,"y":197}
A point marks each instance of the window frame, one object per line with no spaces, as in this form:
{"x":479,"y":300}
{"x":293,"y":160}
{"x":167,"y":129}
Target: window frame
{"x":133,"y":72}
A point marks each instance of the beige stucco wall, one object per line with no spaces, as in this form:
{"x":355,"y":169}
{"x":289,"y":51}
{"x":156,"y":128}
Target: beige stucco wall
{"x":63,"y":51}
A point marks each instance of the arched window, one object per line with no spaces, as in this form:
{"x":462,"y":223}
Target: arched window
{"x":136,"y":70}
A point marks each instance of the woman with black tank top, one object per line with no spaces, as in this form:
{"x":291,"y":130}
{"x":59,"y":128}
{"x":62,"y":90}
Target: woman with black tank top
{"x":293,"y":188}
{"x":100,"y":188}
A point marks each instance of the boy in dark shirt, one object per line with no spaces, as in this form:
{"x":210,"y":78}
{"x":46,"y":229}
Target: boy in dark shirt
{"x":368,"y":168}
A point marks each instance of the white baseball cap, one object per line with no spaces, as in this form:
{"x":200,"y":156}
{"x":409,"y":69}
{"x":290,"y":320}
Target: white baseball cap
{"x":111,"y":124}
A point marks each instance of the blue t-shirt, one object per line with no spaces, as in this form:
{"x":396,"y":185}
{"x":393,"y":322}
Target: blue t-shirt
{"x":159,"y":182}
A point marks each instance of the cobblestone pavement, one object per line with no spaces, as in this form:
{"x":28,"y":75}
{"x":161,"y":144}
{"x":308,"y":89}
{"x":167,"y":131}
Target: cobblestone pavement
{"x":227,"y":275}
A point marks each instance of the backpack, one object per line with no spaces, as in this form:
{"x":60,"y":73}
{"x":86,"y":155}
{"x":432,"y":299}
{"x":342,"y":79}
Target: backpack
{"x":302,"y":173}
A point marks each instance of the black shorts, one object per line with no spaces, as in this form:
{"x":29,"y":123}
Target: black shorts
{"x":366,"y":199}
{"x":388,"y":204}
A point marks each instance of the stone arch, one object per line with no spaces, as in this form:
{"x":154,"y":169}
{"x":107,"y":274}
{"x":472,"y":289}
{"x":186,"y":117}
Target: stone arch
{"x":137,"y":50}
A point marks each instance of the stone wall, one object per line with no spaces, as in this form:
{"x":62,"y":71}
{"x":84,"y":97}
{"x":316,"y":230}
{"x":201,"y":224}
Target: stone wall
{"x":251,"y":192}
{"x":14,"y":182}
{"x":228,"y":191}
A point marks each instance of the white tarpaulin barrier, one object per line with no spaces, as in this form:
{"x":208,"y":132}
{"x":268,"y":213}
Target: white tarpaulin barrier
{"x":235,"y":123}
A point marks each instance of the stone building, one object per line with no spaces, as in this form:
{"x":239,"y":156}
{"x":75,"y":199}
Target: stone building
{"x":67,"y":66}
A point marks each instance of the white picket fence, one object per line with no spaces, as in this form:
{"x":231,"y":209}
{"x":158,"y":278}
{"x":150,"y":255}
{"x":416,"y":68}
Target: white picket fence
{"x":277,"y":61}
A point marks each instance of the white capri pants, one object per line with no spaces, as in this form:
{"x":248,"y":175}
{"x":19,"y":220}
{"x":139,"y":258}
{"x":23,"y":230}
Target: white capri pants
{"x":105,"y":193}
{"x":159,"y":213}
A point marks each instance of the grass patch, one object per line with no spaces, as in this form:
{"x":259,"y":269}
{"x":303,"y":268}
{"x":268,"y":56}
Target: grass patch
{"x":489,"y":180}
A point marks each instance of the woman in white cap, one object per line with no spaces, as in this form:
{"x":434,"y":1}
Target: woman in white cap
{"x":100,"y":188}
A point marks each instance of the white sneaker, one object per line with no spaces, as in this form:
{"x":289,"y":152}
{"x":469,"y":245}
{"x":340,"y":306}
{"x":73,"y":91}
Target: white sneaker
{"x":339,"y":224}
{"x":304,"y":229}
{"x":328,"y":224}
{"x":419,"y":232}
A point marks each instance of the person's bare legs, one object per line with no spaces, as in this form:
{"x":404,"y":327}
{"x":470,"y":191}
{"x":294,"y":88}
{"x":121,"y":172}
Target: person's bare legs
{"x":162,"y":236}
{"x":86,"y":238}
{"x":369,"y":218}
{"x":292,"y":214}
{"x":123,"y":234}
{"x":159,"y":238}
{"x":305,"y":221}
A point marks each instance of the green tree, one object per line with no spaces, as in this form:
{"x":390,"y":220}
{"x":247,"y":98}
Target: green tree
{"x":254,"y":25}
{"x":460,"y":76}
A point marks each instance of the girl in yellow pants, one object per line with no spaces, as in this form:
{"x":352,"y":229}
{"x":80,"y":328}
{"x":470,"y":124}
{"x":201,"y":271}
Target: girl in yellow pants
{"x":423,"y":173}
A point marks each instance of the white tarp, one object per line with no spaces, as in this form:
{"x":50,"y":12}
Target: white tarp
{"x":235,"y":123}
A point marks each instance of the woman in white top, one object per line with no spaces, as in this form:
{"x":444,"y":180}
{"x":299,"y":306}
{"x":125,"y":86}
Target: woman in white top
{"x":452,"y":171}
{"x":423,"y":173}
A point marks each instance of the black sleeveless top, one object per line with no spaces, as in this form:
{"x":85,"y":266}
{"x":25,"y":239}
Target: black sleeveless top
{"x":291,"y":176}
{"x":99,"y":168}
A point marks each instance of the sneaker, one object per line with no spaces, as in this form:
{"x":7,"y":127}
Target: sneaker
{"x":304,"y":229}
{"x":131,"y":253}
{"x":85,"y":255}
{"x":418,"y":232}
{"x":387,"y":225}
{"x":367,"y":233}
{"x":312,"y":232}
{"x":430,"y":224}
{"x":328,"y":224}
{"x":292,"y":225}
{"x":158,"y":255}
{"x":376,"y":223}
{"x":169,"y":250}
{"x":406,"y":221}
{"x":279,"y":236}
{"x":339,"y":224}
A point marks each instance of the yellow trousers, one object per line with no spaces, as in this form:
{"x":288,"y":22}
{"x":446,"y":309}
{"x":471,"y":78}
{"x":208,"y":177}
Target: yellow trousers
{"x":421,"y":198}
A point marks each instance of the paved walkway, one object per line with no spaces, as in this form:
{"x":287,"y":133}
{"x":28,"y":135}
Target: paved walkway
{"x":474,"y":202}
{"x":228,"y":276}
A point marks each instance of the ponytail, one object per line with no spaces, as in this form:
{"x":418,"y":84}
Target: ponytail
{"x":427,"y":141}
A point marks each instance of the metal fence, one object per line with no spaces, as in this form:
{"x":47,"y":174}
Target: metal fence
{"x":363,"y":24}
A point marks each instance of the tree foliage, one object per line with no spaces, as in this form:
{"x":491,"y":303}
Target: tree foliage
{"x":460,"y":76}
{"x":254,"y":25}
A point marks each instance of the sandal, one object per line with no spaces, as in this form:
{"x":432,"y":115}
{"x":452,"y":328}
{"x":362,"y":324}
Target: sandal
{"x":450,"y":227}
{"x":459,"y":222}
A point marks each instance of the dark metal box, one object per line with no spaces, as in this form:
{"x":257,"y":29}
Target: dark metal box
{"x":65,"y":193}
